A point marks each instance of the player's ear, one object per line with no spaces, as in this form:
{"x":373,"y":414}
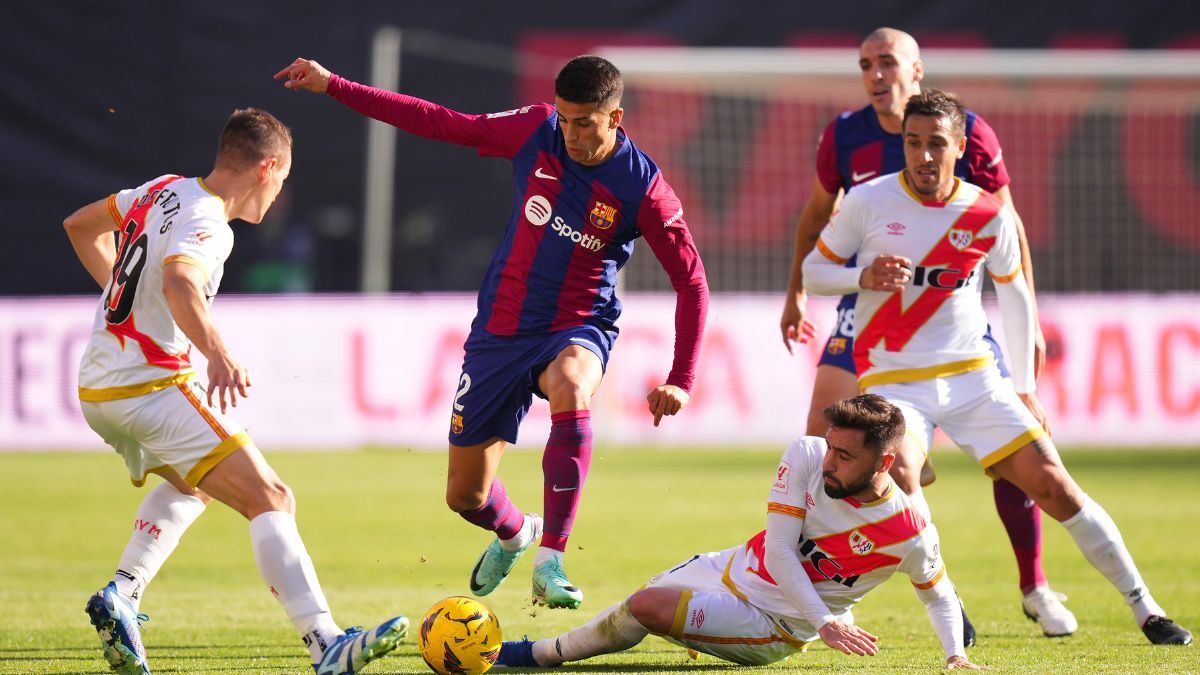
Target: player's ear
{"x":918,"y":71}
{"x":962,"y":146}
{"x":886,"y":460}
{"x":614,"y":118}
{"x":266,"y":168}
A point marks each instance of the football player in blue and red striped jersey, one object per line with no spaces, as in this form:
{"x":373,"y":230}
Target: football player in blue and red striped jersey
{"x":583,"y":193}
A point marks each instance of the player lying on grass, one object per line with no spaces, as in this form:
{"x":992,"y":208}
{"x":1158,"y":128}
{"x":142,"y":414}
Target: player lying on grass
{"x":139,"y":392}
{"x":924,"y":239}
{"x":837,"y":526}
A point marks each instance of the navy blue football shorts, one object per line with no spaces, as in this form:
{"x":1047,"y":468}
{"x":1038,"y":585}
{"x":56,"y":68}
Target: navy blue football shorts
{"x":499,"y":379}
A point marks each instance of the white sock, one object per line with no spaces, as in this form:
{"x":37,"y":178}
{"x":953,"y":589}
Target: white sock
{"x":288,"y":571}
{"x":163,"y":516}
{"x":1097,"y":536}
{"x":522,"y":538}
{"x":546,"y":554}
{"x":613,"y":630}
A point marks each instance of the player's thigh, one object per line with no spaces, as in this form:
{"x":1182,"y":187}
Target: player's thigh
{"x":570,"y":380}
{"x":1037,"y":469}
{"x":833,"y":383}
{"x":727,"y":627}
{"x":983,"y":415}
{"x":701,"y":572}
{"x":245,"y":482}
{"x":916,"y":401}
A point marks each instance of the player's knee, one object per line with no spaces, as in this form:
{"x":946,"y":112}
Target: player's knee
{"x":460,"y":499}
{"x":647,"y":606}
{"x":272,"y":495}
{"x":569,"y":393}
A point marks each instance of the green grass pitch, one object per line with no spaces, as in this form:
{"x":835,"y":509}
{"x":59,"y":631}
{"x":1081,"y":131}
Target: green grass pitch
{"x":383,"y":542}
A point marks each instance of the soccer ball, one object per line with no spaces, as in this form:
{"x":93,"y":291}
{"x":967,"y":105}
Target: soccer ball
{"x":459,"y":635}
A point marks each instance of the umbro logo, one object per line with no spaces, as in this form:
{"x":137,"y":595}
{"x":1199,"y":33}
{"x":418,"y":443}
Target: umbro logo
{"x":540,"y":174}
{"x":860,"y":177}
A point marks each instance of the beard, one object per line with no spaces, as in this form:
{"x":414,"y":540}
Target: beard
{"x":843,"y":490}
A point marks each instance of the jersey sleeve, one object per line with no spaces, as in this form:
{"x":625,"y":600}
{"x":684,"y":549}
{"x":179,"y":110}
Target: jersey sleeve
{"x":827,"y":162}
{"x":985,"y":158}
{"x":499,"y":134}
{"x":201,"y":242}
{"x":800,"y":462}
{"x":923,"y":564}
{"x":1004,"y":258}
{"x":660,"y":221}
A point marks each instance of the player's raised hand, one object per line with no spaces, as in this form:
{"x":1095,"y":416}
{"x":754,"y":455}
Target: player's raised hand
{"x":963,"y":663}
{"x":887,"y":273}
{"x":306,"y":75}
{"x":666,"y":399}
{"x":848,"y":638}
{"x":794,"y":324}
{"x":228,"y":379}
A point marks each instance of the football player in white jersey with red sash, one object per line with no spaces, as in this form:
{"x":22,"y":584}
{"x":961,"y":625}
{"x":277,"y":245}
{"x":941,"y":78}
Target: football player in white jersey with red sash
{"x":837,"y":526}
{"x":139,"y":392}
{"x":924,"y":239}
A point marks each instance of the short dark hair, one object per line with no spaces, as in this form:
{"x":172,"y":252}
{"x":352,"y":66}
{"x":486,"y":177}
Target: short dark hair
{"x":590,"y":79}
{"x":250,"y":136}
{"x":937,"y":103}
{"x":881,"y":422}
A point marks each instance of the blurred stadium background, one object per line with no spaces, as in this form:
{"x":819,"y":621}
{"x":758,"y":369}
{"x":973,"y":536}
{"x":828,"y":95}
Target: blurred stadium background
{"x":1097,"y":113}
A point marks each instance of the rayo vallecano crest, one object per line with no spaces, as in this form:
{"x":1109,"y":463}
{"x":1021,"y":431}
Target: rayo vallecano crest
{"x":860,"y":543}
{"x":603,"y":215}
{"x":960,"y":239}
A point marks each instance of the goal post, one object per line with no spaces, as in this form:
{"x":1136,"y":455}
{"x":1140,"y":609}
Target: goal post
{"x":1102,"y":147}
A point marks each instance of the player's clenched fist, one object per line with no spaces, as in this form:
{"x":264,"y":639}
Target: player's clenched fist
{"x":888,"y":273}
{"x":666,"y":399}
{"x":306,"y":75}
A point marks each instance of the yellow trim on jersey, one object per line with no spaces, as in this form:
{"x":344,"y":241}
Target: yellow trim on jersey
{"x":932,"y":582}
{"x":728,"y":581}
{"x":681,"y":612}
{"x":920,"y":198}
{"x":135,"y":390}
{"x":887,"y":494}
{"x":159,"y":470}
{"x":1007,"y":277}
{"x":1012,"y":446}
{"x":825,"y":251}
{"x":926,"y":373}
{"x":224,"y":449}
{"x":798,"y":644}
{"x":776,"y":507}
{"x":201,"y":183}
{"x":188,"y":260}
{"x":114,"y":211}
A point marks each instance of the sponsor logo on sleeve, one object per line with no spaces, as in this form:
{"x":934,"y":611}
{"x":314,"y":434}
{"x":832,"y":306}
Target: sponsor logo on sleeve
{"x":781,"y":478}
{"x":674,"y":217}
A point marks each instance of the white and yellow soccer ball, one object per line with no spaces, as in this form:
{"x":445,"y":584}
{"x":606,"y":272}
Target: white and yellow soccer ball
{"x":459,"y":636}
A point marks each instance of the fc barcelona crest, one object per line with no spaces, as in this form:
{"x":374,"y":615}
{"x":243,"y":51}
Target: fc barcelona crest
{"x":836,"y":345}
{"x":960,"y":239}
{"x":603,"y":216}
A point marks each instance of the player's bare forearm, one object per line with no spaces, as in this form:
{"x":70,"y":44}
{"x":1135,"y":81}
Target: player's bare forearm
{"x":90,"y":230}
{"x":183,"y":286}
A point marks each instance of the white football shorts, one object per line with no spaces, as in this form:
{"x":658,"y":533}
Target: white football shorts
{"x":980,"y":411}
{"x":174,"y":427}
{"x":711,"y":619}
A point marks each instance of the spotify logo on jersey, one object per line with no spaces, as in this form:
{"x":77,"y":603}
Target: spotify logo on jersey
{"x":537,"y":210}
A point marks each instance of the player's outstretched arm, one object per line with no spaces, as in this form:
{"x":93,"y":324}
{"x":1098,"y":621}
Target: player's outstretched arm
{"x":1039,"y":340}
{"x":794,"y":324}
{"x":305,"y":75}
{"x":90,"y":231}
{"x":183,"y":286}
